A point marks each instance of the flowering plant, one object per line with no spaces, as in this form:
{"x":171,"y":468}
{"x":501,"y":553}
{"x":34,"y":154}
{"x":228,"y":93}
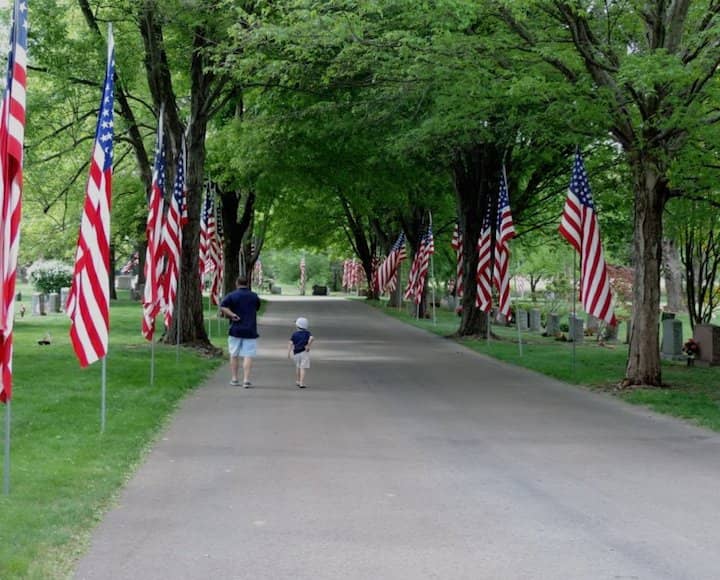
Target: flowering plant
{"x":691,"y":347}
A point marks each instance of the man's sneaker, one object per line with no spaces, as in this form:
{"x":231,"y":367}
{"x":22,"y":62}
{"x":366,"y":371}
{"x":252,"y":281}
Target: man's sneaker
{"x":302,"y":386}
{"x":247,"y":384}
{"x":235,"y":383}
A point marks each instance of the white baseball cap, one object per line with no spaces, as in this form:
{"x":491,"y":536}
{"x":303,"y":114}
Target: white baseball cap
{"x":302,"y":323}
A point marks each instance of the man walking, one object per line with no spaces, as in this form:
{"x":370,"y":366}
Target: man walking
{"x":241,"y":307}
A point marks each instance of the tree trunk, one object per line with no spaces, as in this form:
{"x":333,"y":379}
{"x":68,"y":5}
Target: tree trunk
{"x":476,"y":173}
{"x":673,"y":276}
{"x":643,"y":366}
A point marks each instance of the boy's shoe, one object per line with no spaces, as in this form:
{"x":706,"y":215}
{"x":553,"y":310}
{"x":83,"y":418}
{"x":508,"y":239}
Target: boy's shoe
{"x":235,"y":383}
{"x":247,"y":384}
{"x":302,"y":386}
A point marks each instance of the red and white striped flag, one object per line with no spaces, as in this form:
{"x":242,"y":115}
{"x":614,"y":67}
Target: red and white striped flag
{"x":387,"y":272}
{"x":216,"y":256}
{"x":207,"y":229}
{"x":457,"y":245}
{"x":88,"y":304}
{"x":579,"y":226}
{"x":153,"y":299}
{"x":504,"y":232}
{"x":302,"y":275}
{"x":483,"y":296}
{"x":12,"y":137}
{"x":419,"y":268}
{"x":258,"y":274}
{"x":172,"y":236}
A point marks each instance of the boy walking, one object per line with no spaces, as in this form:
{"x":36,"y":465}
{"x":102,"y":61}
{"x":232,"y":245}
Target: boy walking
{"x":299,"y":348}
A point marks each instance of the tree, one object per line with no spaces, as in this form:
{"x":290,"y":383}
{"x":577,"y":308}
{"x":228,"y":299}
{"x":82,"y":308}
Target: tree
{"x":649,"y":70}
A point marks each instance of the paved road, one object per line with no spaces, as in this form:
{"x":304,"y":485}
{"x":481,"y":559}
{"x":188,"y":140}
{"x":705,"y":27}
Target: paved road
{"x":411,"y":458}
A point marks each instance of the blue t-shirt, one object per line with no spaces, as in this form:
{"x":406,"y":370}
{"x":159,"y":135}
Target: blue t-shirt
{"x":300,"y":339}
{"x":245,"y":303}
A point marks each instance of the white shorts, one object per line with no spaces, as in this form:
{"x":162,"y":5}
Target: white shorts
{"x":244,"y":347}
{"x":302,"y":360}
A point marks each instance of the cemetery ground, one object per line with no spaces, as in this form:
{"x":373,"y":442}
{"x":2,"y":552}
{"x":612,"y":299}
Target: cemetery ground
{"x":64,"y":472}
{"x":691,"y":393}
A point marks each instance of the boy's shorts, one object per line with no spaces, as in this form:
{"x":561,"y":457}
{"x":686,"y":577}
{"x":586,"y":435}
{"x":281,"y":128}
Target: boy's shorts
{"x":244,"y":347}
{"x":302,"y":360}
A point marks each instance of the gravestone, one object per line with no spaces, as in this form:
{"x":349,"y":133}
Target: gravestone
{"x":276,"y":289}
{"x":667,"y":316}
{"x":18,"y":296}
{"x":708,"y":337}
{"x":493,"y":314}
{"x":501,"y":319}
{"x":593,"y":325}
{"x":63,"y":298}
{"x":610,"y":334}
{"x":535,"y":322}
{"x":672,"y":340}
{"x":451,"y":302}
{"x":577,"y":330}
{"x":522,"y":319}
{"x":38,"y":304}
{"x":123,"y":282}
{"x":319,"y":290}
{"x":553,"y":324}
{"x":53,"y":304}
{"x":628,"y":331}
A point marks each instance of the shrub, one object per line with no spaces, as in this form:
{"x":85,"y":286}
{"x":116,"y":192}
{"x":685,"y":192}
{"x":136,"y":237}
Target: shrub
{"x":49,"y":276}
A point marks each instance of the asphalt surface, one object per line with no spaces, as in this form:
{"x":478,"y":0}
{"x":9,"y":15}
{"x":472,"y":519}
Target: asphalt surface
{"x":410,"y":457}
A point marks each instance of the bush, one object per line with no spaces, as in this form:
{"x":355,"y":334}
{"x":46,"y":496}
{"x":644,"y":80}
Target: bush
{"x":49,"y":276}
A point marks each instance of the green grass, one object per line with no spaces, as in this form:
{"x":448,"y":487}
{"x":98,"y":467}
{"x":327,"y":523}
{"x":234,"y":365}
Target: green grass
{"x":64,"y":472}
{"x":691,"y":393}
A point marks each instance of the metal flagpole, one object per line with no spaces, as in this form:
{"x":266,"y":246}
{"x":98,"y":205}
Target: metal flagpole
{"x":574,"y":317}
{"x":152,"y":361}
{"x":432,"y":275}
{"x":517,"y":322}
{"x":103,"y":392}
{"x":176,"y":316}
{"x":6,"y":471}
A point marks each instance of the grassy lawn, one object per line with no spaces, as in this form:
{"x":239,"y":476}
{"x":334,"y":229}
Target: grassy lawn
{"x":64,"y":472}
{"x":692,"y":393}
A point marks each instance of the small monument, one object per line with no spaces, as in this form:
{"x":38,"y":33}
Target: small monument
{"x":535,"y":323}
{"x":123,"y":281}
{"x":552,"y":328}
{"x":610,"y":333}
{"x":593,"y":325}
{"x":522,"y":319}
{"x":38,"y":304}
{"x":708,"y":337}
{"x":672,"y":340}
{"x":64,"y":292}
{"x":53,"y":304}
{"x":577,"y":329}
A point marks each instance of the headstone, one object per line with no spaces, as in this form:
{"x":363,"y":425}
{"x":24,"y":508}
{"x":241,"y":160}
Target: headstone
{"x":577,"y":330}
{"x":53,"y":304}
{"x":667,"y":315}
{"x":628,"y":331}
{"x":523,"y":319}
{"x":319,"y":290}
{"x":64,"y":292}
{"x":593,"y":325}
{"x":552,"y":328}
{"x":18,"y":296}
{"x":38,"y":304}
{"x":708,"y":337}
{"x":494,"y":313}
{"x":123,"y":281}
{"x":451,"y":302}
{"x":610,"y":334}
{"x":276,"y":290}
{"x":501,"y":319}
{"x":535,"y":323}
{"x":672,"y":340}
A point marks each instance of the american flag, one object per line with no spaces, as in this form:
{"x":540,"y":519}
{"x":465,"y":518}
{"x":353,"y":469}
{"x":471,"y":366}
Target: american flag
{"x":457,"y":245}
{"x":302,"y":275}
{"x":131,"y":264}
{"x":579,"y":226}
{"x":387,"y":272}
{"x":172,"y":235}
{"x":483,"y":296}
{"x":346,"y":274}
{"x":258,"y":273}
{"x":12,"y":137}
{"x":153,"y":296}
{"x":207,"y":229}
{"x":504,"y":232}
{"x":89,"y":297}
{"x":216,"y":258}
{"x":419,"y":268}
